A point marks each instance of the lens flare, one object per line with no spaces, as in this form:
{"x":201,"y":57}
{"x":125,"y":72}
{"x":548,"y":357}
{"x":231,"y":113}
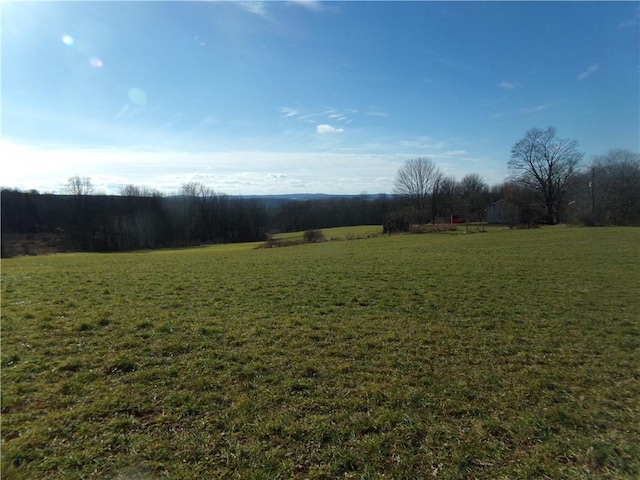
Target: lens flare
{"x":137,"y":96}
{"x":95,"y":62}
{"x":67,"y":40}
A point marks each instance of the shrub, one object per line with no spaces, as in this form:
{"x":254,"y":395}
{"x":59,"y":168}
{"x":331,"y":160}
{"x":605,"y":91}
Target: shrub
{"x":525,"y":225}
{"x":310,"y":236}
{"x":313,"y":236}
{"x":274,"y":243}
{"x":396,"y":222}
{"x":438,"y":227}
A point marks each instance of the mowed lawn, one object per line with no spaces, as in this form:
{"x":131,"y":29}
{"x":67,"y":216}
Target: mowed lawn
{"x":509,"y":354}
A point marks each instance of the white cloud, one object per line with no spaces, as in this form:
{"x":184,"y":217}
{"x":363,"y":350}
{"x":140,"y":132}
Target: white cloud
{"x":588,"y":72}
{"x":344,"y":115}
{"x":288,"y":112}
{"x":276,"y":176}
{"x":541,"y":107}
{"x":364,"y":167}
{"x":537,"y":108}
{"x":376,"y":114}
{"x":256,"y":7}
{"x":324,"y":128}
{"x":337,"y":116}
{"x":313,"y":5}
{"x":421,"y":143}
{"x":454,"y":153}
{"x":507,"y":85}
{"x":235,"y":172}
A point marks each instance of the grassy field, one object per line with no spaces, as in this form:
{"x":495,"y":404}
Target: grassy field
{"x":499,"y":355}
{"x":338,"y":233}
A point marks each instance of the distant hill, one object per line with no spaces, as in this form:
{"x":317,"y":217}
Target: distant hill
{"x":277,"y":200}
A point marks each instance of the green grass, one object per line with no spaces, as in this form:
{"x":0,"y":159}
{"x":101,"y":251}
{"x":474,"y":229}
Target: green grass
{"x":337,"y":233}
{"x":508,"y":354}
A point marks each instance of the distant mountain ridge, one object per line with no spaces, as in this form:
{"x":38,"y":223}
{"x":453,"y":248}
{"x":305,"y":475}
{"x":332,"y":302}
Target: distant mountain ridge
{"x":278,"y":199}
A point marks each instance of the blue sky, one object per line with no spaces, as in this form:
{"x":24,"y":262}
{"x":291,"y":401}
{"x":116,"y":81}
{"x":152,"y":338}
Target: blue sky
{"x":319,"y":97}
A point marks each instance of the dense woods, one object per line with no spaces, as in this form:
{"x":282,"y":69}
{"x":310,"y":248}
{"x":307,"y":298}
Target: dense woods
{"x":607,"y":192}
{"x":139,"y":219}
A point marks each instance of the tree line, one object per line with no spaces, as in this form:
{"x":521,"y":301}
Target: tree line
{"x":79,"y":219}
{"x":546,"y":184}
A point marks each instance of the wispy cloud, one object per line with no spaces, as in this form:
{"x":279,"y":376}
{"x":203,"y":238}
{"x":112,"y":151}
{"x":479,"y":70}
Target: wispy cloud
{"x":631,"y":22}
{"x":588,"y":72}
{"x":422,"y":143}
{"x":376,"y":114}
{"x":312,"y":5}
{"x":262,"y":9}
{"x":288,"y":112}
{"x":324,"y":115}
{"x":454,"y":153}
{"x":450,"y":62}
{"x":508,"y":85}
{"x":256,"y":7}
{"x":338,"y":117}
{"x":325,"y":128}
{"x":236,"y":172}
{"x":370,"y":168}
{"x":539,"y":108}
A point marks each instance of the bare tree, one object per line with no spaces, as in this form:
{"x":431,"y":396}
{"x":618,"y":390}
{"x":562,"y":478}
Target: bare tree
{"x":78,"y":186}
{"x":417,"y":181}
{"x":137,"y":191}
{"x":139,"y":218}
{"x":444,"y":200}
{"x":474,"y":194}
{"x":545,"y":163}
{"x":614,"y":185}
{"x":81,"y":215}
{"x":205,"y":211}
